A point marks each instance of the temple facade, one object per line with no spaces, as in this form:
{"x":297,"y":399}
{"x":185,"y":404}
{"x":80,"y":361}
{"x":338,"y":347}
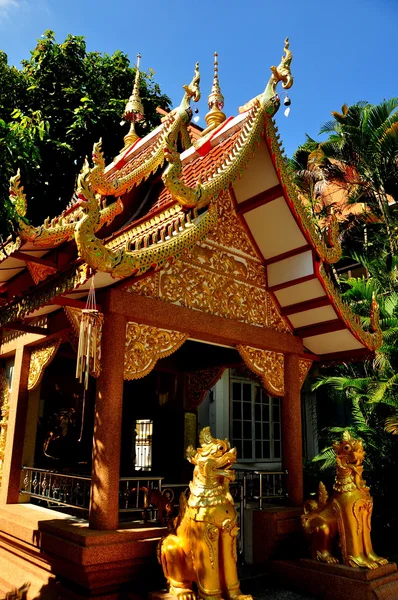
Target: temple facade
{"x":186,"y":285}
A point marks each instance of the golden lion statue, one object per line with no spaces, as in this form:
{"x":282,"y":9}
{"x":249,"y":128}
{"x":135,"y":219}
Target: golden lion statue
{"x":347,"y":514}
{"x":202,"y":551}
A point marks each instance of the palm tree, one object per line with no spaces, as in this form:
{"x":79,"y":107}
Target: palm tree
{"x":360,"y":156}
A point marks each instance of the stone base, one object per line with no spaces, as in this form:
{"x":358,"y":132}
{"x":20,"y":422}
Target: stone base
{"x":276,"y":533}
{"x":60,"y":557}
{"x":337,"y":582}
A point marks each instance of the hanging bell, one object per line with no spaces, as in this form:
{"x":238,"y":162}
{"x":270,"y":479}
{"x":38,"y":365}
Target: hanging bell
{"x":287,"y":102}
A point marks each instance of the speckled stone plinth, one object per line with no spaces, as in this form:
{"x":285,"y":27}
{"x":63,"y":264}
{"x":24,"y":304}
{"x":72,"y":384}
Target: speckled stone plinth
{"x":337,"y":582}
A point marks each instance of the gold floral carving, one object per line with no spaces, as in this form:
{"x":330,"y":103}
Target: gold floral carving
{"x":39,"y":272}
{"x":74,"y":316}
{"x":199,"y":384}
{"x":230,"y":232}
{"x":4,"y":412}
{"x":268,"y":365}
{"x":304,"y":367}
{"x":146,"y":345}
{"x":41,"y":356}
{"x":221,"y":275}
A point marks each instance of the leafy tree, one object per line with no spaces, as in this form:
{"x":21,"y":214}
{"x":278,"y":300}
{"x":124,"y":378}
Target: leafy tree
{"x":359,"y":158}
{"x":53,"y":110}
{"x":356,"y":170}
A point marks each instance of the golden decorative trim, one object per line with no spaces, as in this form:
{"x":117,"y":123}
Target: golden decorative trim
{"x":221,"y":276}
{"x":186,"y":231}
{"x":304,"y":367}
{"x":268,"y":365}
{"x":329,"y":253}
{"x":265,"y":105}
{"x":200,"y":383}
{"x":9,"y":247}
{"x":145,"y":345}
{"x":42,"y":295}
{"x":41,"y":356}
{"x":4,"y":413}
{"x":372,"y":339}
{"x":58,"y":230}
{"x":122,"y":180}
{"x":39,"y":272}
{"x":74,"y":316}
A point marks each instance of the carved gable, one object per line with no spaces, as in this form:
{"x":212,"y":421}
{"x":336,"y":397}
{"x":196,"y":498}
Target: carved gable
{"x":222,"y":275}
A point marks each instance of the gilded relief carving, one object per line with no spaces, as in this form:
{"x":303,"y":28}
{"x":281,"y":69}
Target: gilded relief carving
{"x":39,"y":272}
{"x":199,"y":383}
{"x":41,"y":356}
{"x":146,"y":345}
{"x":268,"y":365}
{"x":4,"y":412}
{"x":304,"y":367}
{"x":221,"y":276}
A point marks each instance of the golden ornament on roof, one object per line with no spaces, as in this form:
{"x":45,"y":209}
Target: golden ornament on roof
{"x":134,"y":110}
{"x":215,"y":116}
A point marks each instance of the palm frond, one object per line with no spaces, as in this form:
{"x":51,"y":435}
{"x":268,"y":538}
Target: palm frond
{"x":391,"y":424}
{"x":327,"y":456}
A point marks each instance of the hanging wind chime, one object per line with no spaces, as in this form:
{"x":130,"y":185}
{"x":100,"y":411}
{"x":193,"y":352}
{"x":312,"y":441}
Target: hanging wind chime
{"x":88,"y":339}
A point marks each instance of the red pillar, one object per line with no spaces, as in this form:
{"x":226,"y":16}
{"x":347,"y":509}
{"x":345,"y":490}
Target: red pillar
{"x":292,"y":444}
{"x":18,"y":399}
{"x":104,"y":501}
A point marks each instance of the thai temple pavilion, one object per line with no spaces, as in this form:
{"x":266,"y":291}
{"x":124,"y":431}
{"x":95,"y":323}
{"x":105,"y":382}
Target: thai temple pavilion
{"x":186,"y":285}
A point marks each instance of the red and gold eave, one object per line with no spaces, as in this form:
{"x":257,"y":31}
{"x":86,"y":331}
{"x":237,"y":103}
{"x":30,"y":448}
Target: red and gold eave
{"x":271,"y":212}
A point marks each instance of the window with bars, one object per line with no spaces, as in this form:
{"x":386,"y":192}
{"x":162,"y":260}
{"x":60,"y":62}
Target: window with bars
{"x":255,"y":422}
{"x":143,"y":444}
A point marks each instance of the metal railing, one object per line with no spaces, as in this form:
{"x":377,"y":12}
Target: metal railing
{"x":58,"y":488}
{"x":73,"y":491}
{"x":251,"y":487}
{"x":260,"y":486}
{"x":131,"y":492}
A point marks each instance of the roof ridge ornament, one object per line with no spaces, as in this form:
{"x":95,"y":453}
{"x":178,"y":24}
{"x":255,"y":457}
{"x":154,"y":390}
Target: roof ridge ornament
{"x":192,"y":90}
{"x":215,"y":101}
{"x":134,"y":111}
{"x":269,"y":99}
{"x":57,"y":230}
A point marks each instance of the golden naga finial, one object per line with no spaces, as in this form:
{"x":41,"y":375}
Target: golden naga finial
{"x":17,"y":195}
{"x":282,"y":71}
{"x":134,"y":111}
{"x":215,"y":116}
{"x":193,"y":90}
{"x":269,"y":99}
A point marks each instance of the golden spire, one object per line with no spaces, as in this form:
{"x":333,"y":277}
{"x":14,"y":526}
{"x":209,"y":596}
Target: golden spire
{"x":134,"y":111}
{"x":215,"y":116}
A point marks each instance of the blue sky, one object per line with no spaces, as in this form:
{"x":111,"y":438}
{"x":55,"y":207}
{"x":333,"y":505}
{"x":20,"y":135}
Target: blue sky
{"x":341,"y":52}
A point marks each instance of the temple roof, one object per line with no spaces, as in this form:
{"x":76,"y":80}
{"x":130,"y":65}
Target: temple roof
{"x":163,"y":211}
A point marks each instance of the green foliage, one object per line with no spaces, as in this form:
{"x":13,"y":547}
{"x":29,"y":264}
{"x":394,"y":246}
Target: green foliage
{"x":360,"y":158}
{"x":53,"y":110}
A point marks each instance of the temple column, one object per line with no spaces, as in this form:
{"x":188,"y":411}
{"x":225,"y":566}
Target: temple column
{"x":292,"y":449}
{"x":18,"y":400}
{"x":104,"y":501}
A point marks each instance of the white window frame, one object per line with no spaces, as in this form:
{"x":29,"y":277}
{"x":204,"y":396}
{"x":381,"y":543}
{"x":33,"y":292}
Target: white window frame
{"x":274,"y":425}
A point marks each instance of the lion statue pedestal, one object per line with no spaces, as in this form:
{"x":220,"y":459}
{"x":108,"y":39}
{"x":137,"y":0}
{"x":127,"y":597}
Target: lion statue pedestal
{"x":201,"y":553}
{"x":346,"y":515}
